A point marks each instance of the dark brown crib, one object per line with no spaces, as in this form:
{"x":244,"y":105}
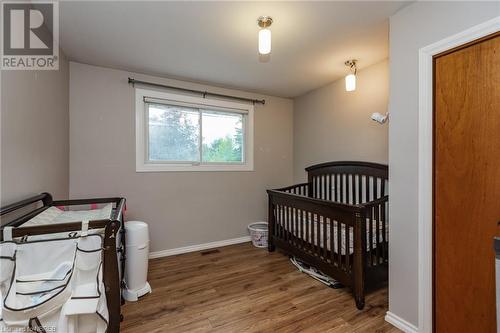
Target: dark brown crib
{"x":337,"y":222}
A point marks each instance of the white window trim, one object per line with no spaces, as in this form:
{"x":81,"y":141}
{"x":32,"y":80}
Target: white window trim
{"x":140,"y":139}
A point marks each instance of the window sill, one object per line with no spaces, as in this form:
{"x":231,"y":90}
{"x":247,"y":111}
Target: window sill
{"x":192,"y":168}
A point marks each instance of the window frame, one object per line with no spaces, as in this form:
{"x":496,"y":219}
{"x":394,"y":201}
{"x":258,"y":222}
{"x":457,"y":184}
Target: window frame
{"x":143,"y":164}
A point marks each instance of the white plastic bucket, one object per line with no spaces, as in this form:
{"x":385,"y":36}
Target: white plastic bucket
{"x":258,"y":233}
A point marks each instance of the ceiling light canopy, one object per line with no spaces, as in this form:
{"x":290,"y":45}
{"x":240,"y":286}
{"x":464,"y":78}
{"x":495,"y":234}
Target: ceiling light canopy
{"x":264,"y":23}
{"x":350,"y":79}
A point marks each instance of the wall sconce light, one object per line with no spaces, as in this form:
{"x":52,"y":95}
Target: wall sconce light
{"x":380,"y":118}
{"x":264,"y":23}
{"x":350,"y":79}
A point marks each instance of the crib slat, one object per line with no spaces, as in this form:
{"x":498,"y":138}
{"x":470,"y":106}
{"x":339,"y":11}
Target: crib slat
{"x":319,"y":187}
{"x":370,"y":236}
{"x":307,"y":222}
{"x":335,"y":187}
{"x":367,"y":190}
{"x":346,"y":187}
{"x":384,"y":237}
{"x":325,"y":237}
{"x":326,"y":187}
{"x":306,"y":230}
{"x":332,"y":241}
{"x":278,"y":221}
{"x":294,"y":225}
{"x":288,"y":224}
{"x":277,"y":217}
{"x":360,"y":190}
{"x":377,"y":236}
{"x":316,"y":189}
{"x":339,"y":245}
{"x":323,"y":187}
{"x":318,"y":235}
{"x":353,"y":187}
{"x":347,"y":236}
{"x":285,"y":222}
{"x":282,"y":232}
{"x":296,"y":234}
{"x":312,"y":231}
{"x":329,"y":187}
{"x":300,"y":229}
{"x":341,"y":199}
{"x":327,"y":191}
{"x":354,"y":190}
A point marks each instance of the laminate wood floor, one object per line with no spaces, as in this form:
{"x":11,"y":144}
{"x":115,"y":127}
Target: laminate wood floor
{"x":240,"y":288}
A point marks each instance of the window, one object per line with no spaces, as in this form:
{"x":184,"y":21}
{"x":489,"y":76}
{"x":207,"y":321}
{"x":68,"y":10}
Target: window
{"x":185,"y":133}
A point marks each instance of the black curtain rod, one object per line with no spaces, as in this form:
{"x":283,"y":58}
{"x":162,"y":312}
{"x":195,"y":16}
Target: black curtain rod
{"x":203,"y":93}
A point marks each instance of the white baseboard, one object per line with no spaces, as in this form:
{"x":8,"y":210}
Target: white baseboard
{"x":400,"y":323}
{"x":199,"y":247}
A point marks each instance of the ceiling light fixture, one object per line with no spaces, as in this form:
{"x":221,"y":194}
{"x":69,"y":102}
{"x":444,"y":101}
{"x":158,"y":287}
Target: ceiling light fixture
{"x":264,"y":23}
{"x":350,"y":79}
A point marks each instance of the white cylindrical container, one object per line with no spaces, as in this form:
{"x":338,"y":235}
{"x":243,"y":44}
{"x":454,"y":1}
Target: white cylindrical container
{"x":136,"y":262}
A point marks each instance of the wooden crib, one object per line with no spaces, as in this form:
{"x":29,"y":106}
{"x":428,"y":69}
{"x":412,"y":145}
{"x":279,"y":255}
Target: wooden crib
{"x":336,"y":222}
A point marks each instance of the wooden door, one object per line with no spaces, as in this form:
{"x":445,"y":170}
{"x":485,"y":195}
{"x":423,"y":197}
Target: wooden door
{"x":466,"y":186}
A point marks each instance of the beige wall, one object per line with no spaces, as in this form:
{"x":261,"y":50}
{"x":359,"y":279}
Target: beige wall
{"x":331,"y":124}
{"x":182,"y":208}
{"x":415,"y":26}
{"x":34,"y":133}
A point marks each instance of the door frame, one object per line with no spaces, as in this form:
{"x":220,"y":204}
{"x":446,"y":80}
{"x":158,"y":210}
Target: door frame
{"x":425,"y":162}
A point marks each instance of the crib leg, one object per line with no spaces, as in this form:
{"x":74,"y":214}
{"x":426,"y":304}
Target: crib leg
{"x":359,"y":260}
{"x":360,"y":300}
{"x":270,"y":246}
{"x":271,"y":220}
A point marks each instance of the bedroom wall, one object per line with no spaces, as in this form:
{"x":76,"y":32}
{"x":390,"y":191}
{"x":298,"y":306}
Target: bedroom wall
{"x":412,"y":28}
{"x":34,"y":132}
{"x":333,"y":124}
{"x":182,"y":208}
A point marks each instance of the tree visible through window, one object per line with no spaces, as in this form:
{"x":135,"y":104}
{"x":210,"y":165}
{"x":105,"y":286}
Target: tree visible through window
{"x":187,"y":134}
{"x":222,"y":137}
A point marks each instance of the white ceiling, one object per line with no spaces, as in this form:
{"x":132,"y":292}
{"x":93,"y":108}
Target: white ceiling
{"x":216,"y":42}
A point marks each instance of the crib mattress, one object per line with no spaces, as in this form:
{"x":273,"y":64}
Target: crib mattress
{"x":303,"y":224}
